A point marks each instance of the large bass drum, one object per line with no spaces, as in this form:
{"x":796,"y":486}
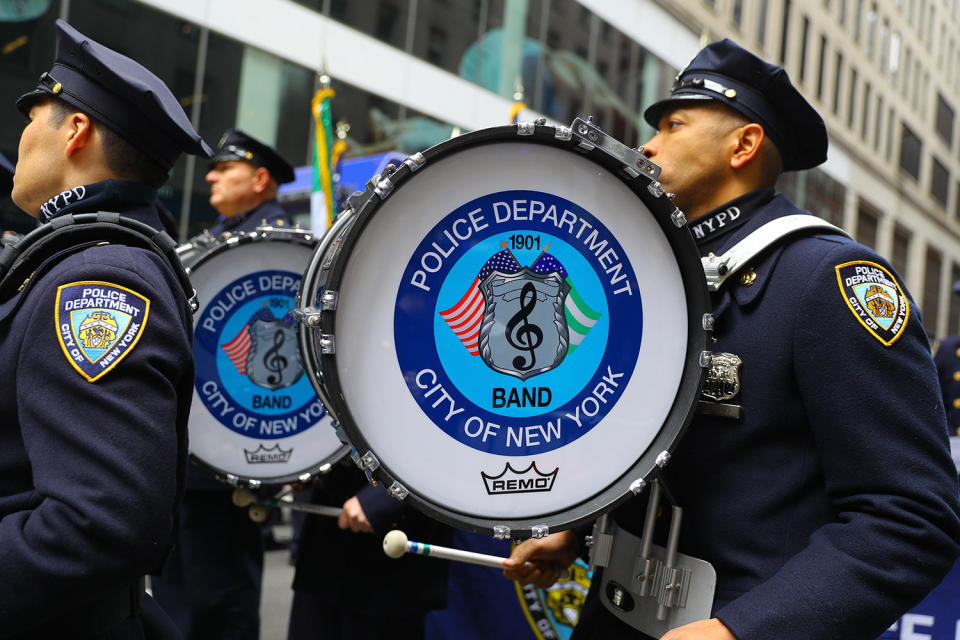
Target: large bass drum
{"x":255,"y":418}
{"x":511,"y":327}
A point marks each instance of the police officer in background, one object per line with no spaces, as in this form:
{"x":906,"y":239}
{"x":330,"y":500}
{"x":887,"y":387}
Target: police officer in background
{"x":828,"y":506}
{"x":244,"y":178}
{"x":96,"y":334}
{"x":212,"y":585}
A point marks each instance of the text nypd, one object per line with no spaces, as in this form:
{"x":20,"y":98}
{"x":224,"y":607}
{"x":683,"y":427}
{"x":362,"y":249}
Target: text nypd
{"x":257,"y":425}
{"x":521,"y":433}
{"x":594,"y":242}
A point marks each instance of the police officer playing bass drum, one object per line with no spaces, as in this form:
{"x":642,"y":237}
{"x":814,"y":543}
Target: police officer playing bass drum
{"x":96,"y":335}
{"x":244,"y":178}
{"x":823,"y":493}
{"x":212,"y":584}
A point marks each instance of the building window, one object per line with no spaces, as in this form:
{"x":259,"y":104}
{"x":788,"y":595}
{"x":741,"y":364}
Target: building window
{"x":737,"y":17}
{"x":851,"y":106}
{"x":803,"y":50}
{"x":823,"y":66}
{"x":865,"y":115}
{"x":878,"y":125}
{"x":858,"y":21}
{"x":785,"y":32}
{"x":868,"y":221}
{"x":901,"y":249}
{"x":945,"y":118}
{"x":762,"y":23}
{"x":910,"y":150}
{"x":931,"y":290}
{"x":940,"y":182}
{"x":837,"y":81}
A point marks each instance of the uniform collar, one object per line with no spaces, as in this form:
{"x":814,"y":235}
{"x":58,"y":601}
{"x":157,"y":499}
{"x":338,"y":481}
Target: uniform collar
{"x":232,"y":222}
{"x":108,"y":195}
{"x":709,"y":228}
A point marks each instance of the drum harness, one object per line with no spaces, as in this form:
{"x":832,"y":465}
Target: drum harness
{"x":31,"y":256}
{"x":652,"y":588}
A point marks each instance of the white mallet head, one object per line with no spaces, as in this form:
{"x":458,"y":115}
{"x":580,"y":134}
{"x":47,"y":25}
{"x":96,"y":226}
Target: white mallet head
{"x":395,"y":543}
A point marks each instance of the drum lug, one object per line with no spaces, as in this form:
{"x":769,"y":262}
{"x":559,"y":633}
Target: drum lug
{"x":369,"y":462}
{"x":663,"y":459}
{"x":383,"y":188}
{"x":706,"y":359}
{"x":525,"y":128}
{"x":398,"y":491}
{"x":655,"y":188}
{"x":637,"y":486}
{"x":708,"y":322}
{"x":308,"y":316}
{"x":328,"y":345}
{"x":194,"y":302}
{"x":678,"y":218}
{"x":415,"y":162}
{"x":501,"y":532}
{"x":329,"y":300}
{"x":591,"y":135}
{"x":563,"y":133}
{"x":539,"y":531}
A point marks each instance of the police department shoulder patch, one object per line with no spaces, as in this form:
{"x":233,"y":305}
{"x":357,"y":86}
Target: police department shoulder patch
{"x":875,"y":298}
{"x":98,"y":324}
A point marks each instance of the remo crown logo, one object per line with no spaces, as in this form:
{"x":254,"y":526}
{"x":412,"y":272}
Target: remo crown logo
{"x":518,"y":323}
{"x":249,"y":373}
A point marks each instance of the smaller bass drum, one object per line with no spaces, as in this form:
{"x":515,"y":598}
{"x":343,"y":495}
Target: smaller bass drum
{"x":255,"y":417}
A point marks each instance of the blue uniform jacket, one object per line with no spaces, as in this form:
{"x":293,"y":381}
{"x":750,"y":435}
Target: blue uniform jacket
{"x":269,"y":213}
{"x":90,"y":472}
{"x":947,"y":358}
{"x":831,"y":505}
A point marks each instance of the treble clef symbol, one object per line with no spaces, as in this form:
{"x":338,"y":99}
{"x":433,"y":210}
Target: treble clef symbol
{"x":273,"y":361}
{"x":526,"y":337}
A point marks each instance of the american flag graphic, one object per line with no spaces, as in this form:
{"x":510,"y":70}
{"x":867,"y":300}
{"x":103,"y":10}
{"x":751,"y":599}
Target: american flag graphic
{"x":464,"y":317}
{"x":238,"y":348}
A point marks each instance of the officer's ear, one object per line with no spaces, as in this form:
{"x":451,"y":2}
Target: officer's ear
{"x":261,"y":180}
{"x":749,"y":138}
{"x":79,"y":131}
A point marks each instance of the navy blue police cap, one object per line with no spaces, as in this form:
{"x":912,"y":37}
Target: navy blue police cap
{"x":119,"y":93}
{"x":237,"y":145}
{"x":6,"y":175}
{"x":725,"y":72}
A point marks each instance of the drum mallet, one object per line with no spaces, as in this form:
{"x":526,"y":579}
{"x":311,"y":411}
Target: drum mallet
{"x":244,"y":498}
{"x":395,"y":544}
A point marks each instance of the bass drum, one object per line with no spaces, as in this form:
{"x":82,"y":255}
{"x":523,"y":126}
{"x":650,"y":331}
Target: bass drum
{"x":255,"y":418}
{"x":511,"y":327}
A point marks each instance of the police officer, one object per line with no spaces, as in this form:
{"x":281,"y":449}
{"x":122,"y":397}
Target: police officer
{"x":212,"y":586}
{"x":345,"y":587}
{"x":244,"y":177}
{"x":829,"y":506}
{"x":95,"y":334}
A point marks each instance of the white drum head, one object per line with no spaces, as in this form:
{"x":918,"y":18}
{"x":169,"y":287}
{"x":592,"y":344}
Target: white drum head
{"x":255,"y":415}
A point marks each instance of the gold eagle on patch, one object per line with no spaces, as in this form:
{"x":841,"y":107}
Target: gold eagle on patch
{"x":875,"y":298}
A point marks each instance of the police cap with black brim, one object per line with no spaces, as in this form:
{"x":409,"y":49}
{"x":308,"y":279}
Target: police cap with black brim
{"x":121,"y":94}
{"x":725,"y":72}
{"x":237,"y":145}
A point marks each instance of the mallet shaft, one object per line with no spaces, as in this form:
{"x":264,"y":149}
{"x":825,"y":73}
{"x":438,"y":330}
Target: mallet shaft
{"x":421,"y":549}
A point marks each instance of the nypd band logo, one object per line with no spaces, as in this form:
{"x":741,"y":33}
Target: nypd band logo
{"x":249,"y":375}
{"x":98,"y":324}
{"x":517,"y":324}
{"x":875,"y":298}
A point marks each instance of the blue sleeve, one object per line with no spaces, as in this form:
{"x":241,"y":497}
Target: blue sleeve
{"x":880,"y":435}
{"x":382,"y":509}
{"x":105,"y":456}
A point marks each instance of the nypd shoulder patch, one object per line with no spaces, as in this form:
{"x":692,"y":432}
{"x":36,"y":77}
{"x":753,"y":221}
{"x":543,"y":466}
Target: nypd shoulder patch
{"x":98,"y":324}
{"x":875,"y":298}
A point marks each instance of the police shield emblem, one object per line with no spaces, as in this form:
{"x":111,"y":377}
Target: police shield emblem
{"x":273,"y":361}
{"x":524,"y":329}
